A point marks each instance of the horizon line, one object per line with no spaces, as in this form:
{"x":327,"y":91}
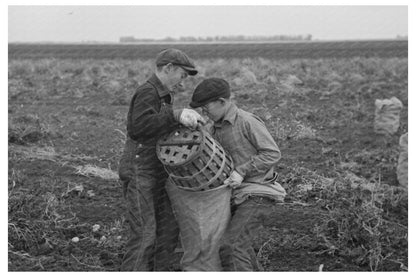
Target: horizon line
{"x":156,"y":41}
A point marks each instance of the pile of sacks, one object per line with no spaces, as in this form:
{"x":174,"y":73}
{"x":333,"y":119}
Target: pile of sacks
{"x":387,"y":116}
{"x":387,"y":122}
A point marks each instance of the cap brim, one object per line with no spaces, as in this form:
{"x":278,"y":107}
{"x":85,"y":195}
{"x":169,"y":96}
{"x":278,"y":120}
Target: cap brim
{"x":191,"y":71}
{"x":195,"y":104}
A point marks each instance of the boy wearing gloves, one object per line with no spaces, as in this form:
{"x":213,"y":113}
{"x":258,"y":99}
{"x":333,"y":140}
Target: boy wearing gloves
{"x":153,"y":228}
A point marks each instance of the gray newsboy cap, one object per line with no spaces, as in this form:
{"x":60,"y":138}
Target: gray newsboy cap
{"x":176,"y":57}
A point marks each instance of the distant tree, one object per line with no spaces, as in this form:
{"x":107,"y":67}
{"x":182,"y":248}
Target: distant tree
{"x":401,"y":37}
{"x":127,"y":39}
{"x":307,"y":37}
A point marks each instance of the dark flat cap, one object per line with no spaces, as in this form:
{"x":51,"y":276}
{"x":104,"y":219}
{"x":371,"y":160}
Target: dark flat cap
{"x":176,"y":57}
{"x":210,"y":90}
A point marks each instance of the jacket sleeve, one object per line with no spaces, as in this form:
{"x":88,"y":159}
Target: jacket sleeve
{"x":148,"y":116}
{"x":268,"y":153}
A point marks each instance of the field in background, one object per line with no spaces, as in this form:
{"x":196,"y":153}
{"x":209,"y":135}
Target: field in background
{"x":344,"y":210}
{"x":283,"y":50}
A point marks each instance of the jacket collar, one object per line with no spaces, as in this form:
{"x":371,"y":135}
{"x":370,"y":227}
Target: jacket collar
{"x":229,"y":116}
{"x":162,"y":90}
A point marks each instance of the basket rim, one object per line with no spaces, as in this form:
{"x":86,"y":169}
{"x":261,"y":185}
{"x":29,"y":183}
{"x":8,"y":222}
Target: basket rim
{"x":197,"y":190}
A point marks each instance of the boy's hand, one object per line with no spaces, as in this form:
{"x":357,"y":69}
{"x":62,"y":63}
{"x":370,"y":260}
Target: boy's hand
{"x":191,"y":118}
{"x":234,"y":181}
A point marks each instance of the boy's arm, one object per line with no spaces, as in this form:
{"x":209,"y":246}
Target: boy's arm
{"x":268,"y":153}
{"x":145,"y":119}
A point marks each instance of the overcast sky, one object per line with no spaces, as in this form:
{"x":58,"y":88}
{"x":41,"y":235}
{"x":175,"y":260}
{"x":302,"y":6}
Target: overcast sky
{"x":109,"y":23}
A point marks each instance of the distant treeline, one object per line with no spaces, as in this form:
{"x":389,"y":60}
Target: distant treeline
{"x":239,"y":38}
{"x":269,"y":50}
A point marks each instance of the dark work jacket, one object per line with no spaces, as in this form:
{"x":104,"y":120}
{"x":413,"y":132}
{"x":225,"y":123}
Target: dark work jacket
{"x":150,"y":116}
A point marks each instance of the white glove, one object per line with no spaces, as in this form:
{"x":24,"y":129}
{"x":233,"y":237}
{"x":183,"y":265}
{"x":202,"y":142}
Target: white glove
{"x":191,"y":118}
{"x":234,"y":181}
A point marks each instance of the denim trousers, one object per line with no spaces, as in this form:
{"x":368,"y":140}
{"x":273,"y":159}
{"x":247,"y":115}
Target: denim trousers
{"x":247,"y":218}
{"x":154,"y":231}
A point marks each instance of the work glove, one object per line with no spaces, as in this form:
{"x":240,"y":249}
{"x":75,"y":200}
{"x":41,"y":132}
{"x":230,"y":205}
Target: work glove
{"x":191,"y":118}
{"x":234,"y":181}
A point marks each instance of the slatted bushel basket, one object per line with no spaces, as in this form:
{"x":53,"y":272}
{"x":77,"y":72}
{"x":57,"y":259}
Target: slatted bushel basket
{"x":193,"y":159}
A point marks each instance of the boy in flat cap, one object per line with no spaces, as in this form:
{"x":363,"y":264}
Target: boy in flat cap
{"x":255,"y":153}
{"x":153,"y":229}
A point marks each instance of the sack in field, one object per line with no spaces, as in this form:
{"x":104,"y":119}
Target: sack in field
{"x":387,"y":116}
{"x":203,"y":217}
{"x":402,"y":164}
